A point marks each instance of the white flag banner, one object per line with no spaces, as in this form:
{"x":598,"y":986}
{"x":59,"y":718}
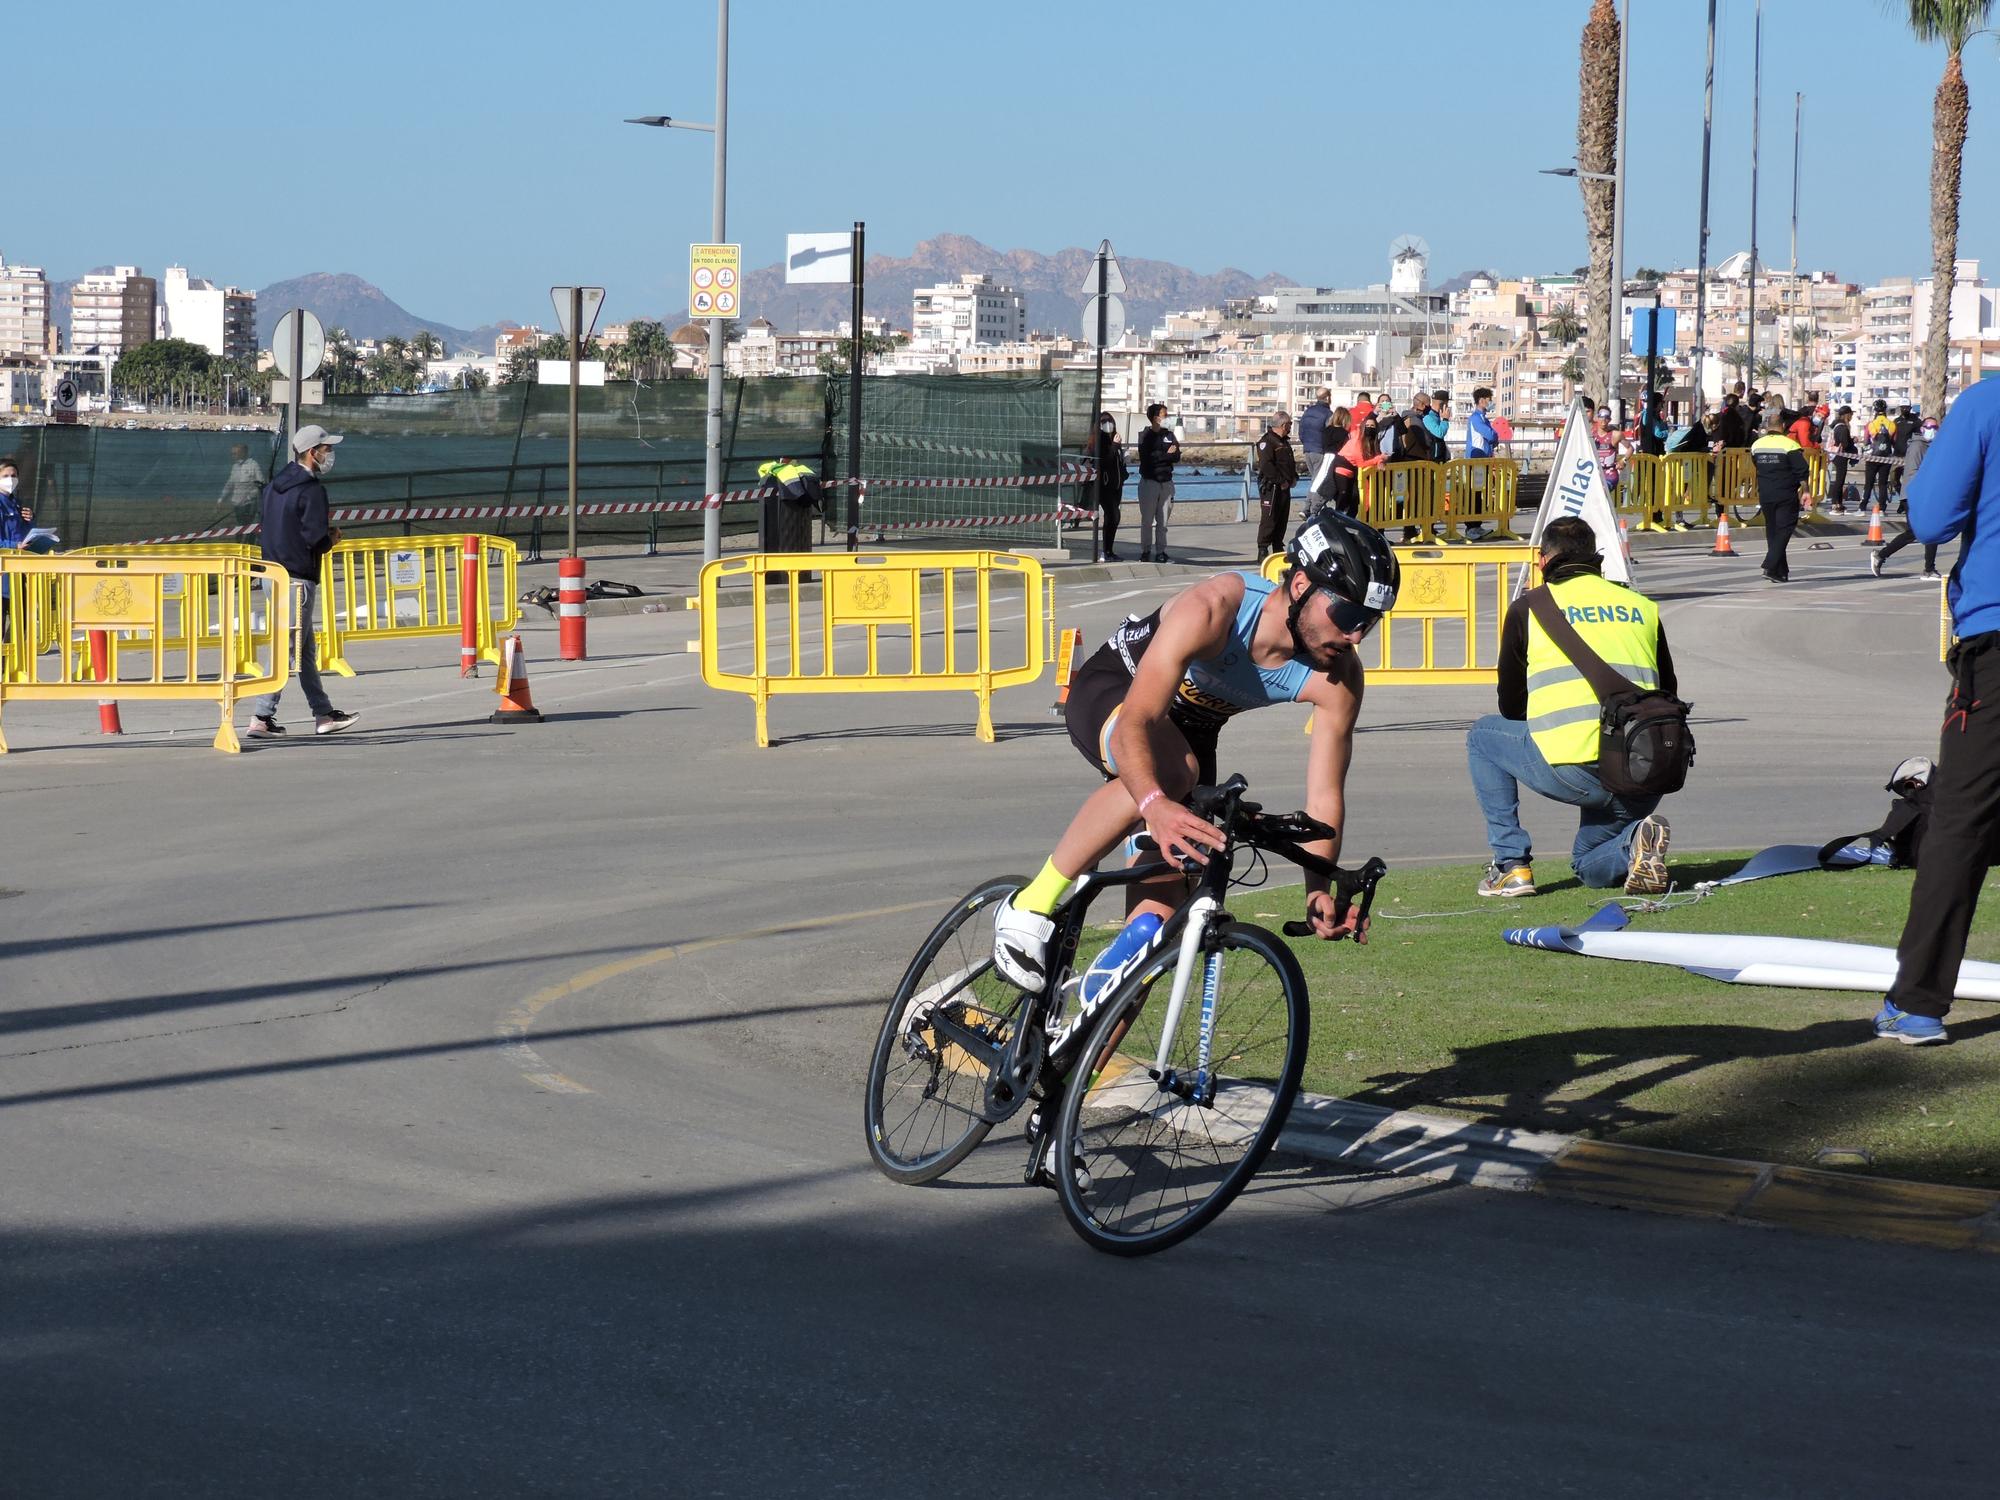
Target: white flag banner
{"x":1576,"y":488}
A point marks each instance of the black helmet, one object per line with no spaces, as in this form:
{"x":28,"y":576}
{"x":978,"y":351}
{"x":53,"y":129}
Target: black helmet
{"x":1349,"y":558}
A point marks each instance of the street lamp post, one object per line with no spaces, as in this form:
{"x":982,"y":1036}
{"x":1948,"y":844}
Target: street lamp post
{"x":1616,"y":177}
{"x":711,"y":519}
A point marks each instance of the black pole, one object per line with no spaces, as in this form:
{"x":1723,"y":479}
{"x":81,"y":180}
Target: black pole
{"x":1701,"y":250}
{"x":1756,"y":131}
{"x":1097,"y":395}
{"x":1652,"y":354}
{"x":854,"y":365}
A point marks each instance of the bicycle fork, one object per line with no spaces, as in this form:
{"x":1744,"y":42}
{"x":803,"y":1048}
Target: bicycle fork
{"x":1199,"y":1087}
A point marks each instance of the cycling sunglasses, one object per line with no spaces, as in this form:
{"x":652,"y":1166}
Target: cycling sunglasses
{"x":1350,"y":618}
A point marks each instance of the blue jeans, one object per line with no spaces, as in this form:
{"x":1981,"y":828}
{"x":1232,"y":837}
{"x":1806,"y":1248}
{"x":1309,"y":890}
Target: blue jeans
{"x":305,"y":601}
{"x":1503,"y":759}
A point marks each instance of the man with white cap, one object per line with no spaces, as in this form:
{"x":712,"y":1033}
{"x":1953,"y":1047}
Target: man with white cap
{"x":294,"y":525}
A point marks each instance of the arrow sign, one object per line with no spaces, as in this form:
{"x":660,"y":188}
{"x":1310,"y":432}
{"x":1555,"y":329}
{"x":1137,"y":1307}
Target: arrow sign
{"x":1114,"y":279}
{"x":593,"y":301}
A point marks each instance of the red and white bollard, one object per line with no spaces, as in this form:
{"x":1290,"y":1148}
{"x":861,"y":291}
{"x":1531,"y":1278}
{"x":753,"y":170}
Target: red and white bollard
{"x":100,"y":668}
{"x":469,"y":608}
{"x":569,"y":609}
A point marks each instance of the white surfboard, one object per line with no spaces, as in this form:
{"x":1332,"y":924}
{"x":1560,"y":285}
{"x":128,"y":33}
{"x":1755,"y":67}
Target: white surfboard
{"x":1746,"y":958}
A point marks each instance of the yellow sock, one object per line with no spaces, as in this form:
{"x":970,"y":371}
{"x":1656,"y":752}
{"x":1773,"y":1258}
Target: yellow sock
{"x":1044,"y":893}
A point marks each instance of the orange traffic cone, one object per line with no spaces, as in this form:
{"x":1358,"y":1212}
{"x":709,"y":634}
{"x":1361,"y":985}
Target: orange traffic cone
{"x":1722,"y":547}
{"x":517,"y":703}
{"x":1874,"y":525}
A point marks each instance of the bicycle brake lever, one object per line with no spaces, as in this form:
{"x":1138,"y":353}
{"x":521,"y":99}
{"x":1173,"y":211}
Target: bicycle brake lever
{"x":1349,"y":884}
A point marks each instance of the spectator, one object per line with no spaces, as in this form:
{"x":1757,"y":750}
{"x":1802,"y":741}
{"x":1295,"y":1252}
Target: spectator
{"x":1731,"y":424}
{"x":242,"y":489}
{"x":1653,"y":429}
{"x":1159,"y":451}
{"x":1545,"y":735}
{"x":1841,"y":450}
{"x":1799,"y":427}
{"x":1903,"y":429}
{"x":1413,"y":446}
{"x":1325,"y":487}
{"x":1437,"y":422}
{"x":296,"y":531}
{"x":1277,"y":472}
{"x":1919,"y":444}
{"x":1109,"y":490}
{"x":1312,"y":432}
{"x":16,"y":518}
{"x":1781,"y":484}
{"x":1361,"y":409}
{"x":1361,"y":451}
{"x":1959,"y":495}
{"x":1881,"y":446}
{"x":1481,"y":437}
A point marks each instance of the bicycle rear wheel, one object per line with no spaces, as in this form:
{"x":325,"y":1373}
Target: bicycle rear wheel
{"x":1149,"y":1164}
{"x":926,"y":1093}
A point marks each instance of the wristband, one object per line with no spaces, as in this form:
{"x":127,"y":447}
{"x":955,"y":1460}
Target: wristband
{"x":1149,"y":799}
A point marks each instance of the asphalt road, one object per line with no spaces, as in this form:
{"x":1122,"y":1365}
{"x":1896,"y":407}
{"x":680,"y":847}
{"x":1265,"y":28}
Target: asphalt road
{"x":448,"y":1109}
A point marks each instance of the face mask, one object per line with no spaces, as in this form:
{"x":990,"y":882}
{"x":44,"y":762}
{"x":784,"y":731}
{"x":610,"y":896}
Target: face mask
{"x":7,"y":484}
{"x":1104,"y":426}
{"x":326,"y":464}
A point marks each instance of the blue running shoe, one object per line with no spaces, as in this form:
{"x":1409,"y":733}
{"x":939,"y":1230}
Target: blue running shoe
{"x":1899,"y":1025}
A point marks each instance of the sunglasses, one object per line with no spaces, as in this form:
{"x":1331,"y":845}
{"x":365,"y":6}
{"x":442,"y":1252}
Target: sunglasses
{"x":1351,"y":618}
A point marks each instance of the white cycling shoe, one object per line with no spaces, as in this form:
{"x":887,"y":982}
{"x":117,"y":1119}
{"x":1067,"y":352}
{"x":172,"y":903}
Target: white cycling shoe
{"x":1021,"y":945}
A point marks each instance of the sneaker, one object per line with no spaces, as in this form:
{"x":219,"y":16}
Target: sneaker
{"x":334,"y":722}
{"x":1896,"y":1024}
{"x":1161,"y":557}
{"x":1021,"y":946}
{"x":1648,"y":873}
{"x":264,"y":727}
{"x":1145,"y":557}
{"x":1930,"y":575}
{"x":1875,"y":563}
{"x":1515,"y":880}
{"x":1110,"y":556}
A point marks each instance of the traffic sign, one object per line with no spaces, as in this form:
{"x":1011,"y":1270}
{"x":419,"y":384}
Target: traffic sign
{"x":1114,"y":321}
{"x":714,"y":276}
{"x":311,"y":392}
{"x":313,"y":346}
{"x":1114,"y":279}
{"x":593,"y":302}
{"x":827,"y":259}
{"x":64,"y":406}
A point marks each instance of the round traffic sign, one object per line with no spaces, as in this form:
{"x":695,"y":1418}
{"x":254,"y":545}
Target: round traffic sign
{"x":725,"y":276}
{"x":703,"y":276}
{"x":703,"y":302}
{"x":313,"y":338}
{"x":66,"y":394}
{"x":725,"y":302}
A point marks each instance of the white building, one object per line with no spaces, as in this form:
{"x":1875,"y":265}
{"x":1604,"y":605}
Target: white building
{"x":22,"y":391}
{"x":112,"y":312}
{"x":1888,"y":355}
{"x":223,"y":320}
{"x":968,"y":312}
{"x":24,"y":309}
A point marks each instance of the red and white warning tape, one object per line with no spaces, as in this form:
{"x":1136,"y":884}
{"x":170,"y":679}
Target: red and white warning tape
{"x":1082,"y":473}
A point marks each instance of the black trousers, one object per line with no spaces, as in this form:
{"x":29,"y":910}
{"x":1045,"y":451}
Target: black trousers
{"x":1276,"y":513}
{"x":1780,"y":521}
{"x":1107,"y":515}
{"x":1836,"y":484}
{"x":1346,"y":494}
{"x":1903,"y":539}
{"x":1872,"y":477}
{"x":1960,"y":844}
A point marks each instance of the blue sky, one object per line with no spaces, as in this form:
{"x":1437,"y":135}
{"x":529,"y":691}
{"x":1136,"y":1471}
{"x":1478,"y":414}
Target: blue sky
{"x":464,"y":157}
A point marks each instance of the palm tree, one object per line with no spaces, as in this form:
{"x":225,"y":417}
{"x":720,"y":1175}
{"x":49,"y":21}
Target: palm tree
{"x":1571,"y":371}
{"x":1561,"y":323}
{"x":1802,"y":344}
{"x":426,"y":345}
{"x":1597,"y":152}
{"x":1952,"y":22}
{"x":1736,"y":358}
{"x":1765,"y":369}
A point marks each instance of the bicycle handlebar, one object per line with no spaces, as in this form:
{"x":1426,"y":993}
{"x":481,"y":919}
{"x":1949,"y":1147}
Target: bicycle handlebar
{"x":1281,"y":834}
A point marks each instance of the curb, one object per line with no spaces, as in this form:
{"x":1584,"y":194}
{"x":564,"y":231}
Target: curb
{"x":1439,"y":1149}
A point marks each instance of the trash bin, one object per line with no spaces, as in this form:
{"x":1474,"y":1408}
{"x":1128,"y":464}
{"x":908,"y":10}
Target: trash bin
{"x":787,"y":522}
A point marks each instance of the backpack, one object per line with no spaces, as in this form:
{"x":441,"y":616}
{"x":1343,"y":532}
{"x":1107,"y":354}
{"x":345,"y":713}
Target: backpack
{"x":1882,"y":442}
{"x":1644,"y":745}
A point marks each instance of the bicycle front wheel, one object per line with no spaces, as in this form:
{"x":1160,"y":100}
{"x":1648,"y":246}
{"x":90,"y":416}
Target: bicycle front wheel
{"x":1154,"y":1155}
{"x":926,"y":1093}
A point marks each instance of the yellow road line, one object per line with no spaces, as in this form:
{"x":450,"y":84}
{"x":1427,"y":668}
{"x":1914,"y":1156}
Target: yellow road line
{"x":513,"y":1028}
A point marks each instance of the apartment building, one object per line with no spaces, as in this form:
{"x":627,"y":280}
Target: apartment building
{"x":223,"y":320}
{"x":24,"y":309}
{"x":23,"y":390}
{"x":110,"y":312}
{"x":1017,"y":359}
{"x":968,"y":312}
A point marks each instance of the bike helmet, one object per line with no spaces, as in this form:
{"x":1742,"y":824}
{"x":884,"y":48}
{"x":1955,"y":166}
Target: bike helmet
{"x":1348,"y":560}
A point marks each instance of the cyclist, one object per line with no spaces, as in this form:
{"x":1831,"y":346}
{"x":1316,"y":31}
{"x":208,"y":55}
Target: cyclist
{"x":1147,"y":707}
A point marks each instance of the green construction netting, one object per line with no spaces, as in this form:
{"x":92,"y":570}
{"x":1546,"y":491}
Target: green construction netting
{"x":952,"y":427}
{"x":636,"y":443}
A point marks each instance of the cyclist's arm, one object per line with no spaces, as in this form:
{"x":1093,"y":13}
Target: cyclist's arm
{"x":1336,"y":701}
{"x":1193,"y":625}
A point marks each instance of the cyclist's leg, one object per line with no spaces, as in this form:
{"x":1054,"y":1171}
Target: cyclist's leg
{"x":1109,"y":814}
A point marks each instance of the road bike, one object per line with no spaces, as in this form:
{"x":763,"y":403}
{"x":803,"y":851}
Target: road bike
{"x":1151,"y":1104}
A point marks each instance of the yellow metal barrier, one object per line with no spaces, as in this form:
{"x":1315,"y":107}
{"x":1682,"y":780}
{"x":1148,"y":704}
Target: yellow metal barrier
{"x":1481,"y":492}
{"x":1445,"y":628}
{"x":870,"y":609}
{"x":1735,"y":485}
{"x":1395,"y":496}
{"x":195,"y":621}
{"x":128,"y":596}
{"x":398,"y":588}
{"x":1815,"y":474}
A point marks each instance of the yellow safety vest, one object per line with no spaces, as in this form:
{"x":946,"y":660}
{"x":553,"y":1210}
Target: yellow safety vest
{"x":1619,"y":624}
{"x":783,"y":473}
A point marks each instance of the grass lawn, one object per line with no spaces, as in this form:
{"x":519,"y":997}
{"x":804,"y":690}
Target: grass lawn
{"x":1436,"y":1013}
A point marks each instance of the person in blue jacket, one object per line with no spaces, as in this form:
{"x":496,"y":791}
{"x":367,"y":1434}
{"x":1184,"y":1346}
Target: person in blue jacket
{"x":1482,"y":439}
{"x":295,"y":528}
{"x":1957,"y":493}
